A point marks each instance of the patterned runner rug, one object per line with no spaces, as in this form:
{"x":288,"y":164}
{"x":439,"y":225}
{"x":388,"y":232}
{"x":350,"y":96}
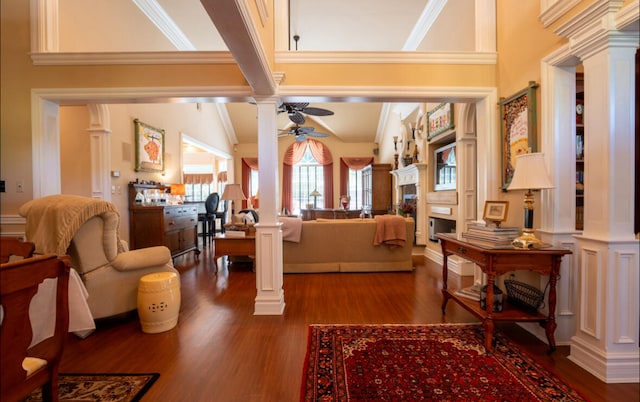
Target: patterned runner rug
{"x":101,"y":387}
{"x":422,"y":363}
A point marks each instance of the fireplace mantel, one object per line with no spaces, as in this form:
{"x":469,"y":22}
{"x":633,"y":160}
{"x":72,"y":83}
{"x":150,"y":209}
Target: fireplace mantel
{"x":414,"y":174}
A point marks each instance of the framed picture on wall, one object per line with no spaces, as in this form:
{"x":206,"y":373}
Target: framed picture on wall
{"x":517,"y":128}
{"x":149,"y":148}
{"x":439,"y":120}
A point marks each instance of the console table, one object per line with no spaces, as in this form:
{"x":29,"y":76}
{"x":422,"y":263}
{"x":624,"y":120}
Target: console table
{"x":498,"y":261}
{"x":233,"y":246}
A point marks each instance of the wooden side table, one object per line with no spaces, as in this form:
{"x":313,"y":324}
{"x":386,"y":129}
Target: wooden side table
{"x":497,"y":261}
{"x":233,"y":246}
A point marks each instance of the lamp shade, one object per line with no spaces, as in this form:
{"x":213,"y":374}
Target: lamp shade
{"x":233,"y":192}
{"x":178,"y":189}
{"x":315,"y":193}
{"x":530,"y":173}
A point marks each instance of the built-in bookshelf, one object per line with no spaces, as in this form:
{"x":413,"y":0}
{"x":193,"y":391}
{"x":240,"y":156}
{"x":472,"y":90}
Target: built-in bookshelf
{"x":580,"y":151}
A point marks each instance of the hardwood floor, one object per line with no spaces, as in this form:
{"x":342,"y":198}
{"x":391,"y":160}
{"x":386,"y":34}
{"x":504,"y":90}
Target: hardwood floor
{"x":220,"y":351}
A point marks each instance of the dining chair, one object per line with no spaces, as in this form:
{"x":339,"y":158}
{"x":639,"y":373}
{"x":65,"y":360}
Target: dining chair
{"x":15,"y":248}
{"x":26,"y":368}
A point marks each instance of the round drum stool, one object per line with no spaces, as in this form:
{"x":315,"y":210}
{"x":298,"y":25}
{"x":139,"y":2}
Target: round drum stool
{"x":158,"y":301}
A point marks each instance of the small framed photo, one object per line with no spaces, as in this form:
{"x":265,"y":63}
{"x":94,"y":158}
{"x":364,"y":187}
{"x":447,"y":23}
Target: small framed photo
{"x":495,"y":211}
{"x":149,"y":148}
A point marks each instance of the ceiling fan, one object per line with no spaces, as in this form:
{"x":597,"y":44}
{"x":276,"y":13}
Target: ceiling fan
{"x":297,"y":110}
{"x":301,"y":133}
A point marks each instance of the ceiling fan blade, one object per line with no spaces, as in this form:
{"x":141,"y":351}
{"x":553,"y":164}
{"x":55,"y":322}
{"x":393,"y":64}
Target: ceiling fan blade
{"x":304,"y":130}
{"x":300,"y":137}
{"x":317,"y":135}
{"x":297,"y":105}
{"x":297,"y":117}
{"x":316,"y":111}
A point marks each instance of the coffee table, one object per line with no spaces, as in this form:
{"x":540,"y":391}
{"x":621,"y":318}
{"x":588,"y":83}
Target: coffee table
{"x":233,"y":246}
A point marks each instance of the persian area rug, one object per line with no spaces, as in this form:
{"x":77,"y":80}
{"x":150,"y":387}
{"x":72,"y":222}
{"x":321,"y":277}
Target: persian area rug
{"x":422,"y":363}
{"x":101,"y":387}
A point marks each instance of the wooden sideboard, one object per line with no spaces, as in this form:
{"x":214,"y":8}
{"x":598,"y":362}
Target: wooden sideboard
{"x":498,"y":261}
{"x":174,"y":226}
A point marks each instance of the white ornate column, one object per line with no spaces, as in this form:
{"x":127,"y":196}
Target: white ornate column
{"x":606,"y":340}
{"x":269,"y":277}
{"x":100,"y":144}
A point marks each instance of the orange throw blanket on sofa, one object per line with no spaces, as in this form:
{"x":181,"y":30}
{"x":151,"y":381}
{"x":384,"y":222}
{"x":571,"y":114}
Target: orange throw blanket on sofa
{"x":390,"y":230}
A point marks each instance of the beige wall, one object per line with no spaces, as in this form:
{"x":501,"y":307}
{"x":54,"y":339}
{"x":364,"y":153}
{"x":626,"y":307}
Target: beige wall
{"x":522,"y":42}
{"x":175,"y":118}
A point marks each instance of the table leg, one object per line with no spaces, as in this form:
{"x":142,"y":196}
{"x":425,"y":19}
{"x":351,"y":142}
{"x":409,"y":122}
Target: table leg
{"x":488,"y":322}
{"x":445,"y":276}
{"x":488,"y":326}
{"x":550,"y":326}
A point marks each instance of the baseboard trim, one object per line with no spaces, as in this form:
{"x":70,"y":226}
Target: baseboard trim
{"x":608,"y":367}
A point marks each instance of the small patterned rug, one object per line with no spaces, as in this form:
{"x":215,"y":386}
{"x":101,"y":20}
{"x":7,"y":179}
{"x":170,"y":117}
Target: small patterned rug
{"x":422,"y":363}
{"x":101,"y":387}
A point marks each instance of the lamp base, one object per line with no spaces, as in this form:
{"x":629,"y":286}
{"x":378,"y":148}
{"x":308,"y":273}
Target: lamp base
{"x":526,"y":240}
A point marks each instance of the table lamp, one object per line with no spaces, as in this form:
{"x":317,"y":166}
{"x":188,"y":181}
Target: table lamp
{"x":233,"y":192}
{"x":530,"y":174}
{"x":178,"y":191}
{"x":315,"y":194}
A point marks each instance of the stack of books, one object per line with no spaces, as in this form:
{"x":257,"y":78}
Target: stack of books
{"x":490,"y":235}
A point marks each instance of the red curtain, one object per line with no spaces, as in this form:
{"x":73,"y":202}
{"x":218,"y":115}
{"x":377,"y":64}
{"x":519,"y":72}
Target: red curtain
{"x":248,"y":164}
{"x":351,"y":163}
{"x":293,"y":155}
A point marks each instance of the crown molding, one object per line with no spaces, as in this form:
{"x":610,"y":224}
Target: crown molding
{"x":75,"y":96}
{"x":551,"y":13}
{"x":313,"y":57}
{"x":263,"y":11}
{"x":590,"y":18}
{"x":156,"y":14}
{"x":628,"y":16}
{"x":116,"y":58}
{"x":294,"y":93}
{"x":427,"y":18}
{"x":594,"y":29}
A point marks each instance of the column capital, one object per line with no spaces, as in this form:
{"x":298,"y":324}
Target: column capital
{"x":596,"y":29}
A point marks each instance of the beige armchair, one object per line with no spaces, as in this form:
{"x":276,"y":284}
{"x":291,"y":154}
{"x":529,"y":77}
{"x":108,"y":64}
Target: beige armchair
{"x":87,"y":230}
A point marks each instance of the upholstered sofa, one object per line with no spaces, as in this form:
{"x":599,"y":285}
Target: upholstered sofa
{"x":346,"y":245}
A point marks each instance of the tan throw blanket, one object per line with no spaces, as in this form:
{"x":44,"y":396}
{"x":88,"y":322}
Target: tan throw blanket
{"x":291,"y":229}
{"x":390,"y":230}
{"x":53,"y":220}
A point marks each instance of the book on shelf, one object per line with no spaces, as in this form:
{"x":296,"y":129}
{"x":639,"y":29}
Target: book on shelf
{"x":234,"y":233}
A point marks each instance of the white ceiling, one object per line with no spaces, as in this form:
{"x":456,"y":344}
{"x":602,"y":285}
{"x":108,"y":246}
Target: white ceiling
{"x":327,"y":25}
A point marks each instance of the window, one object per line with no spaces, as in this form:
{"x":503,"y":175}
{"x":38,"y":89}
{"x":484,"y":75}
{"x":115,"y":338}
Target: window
{"x":253,"y":184}
{"x":307,"y":176}
{"x":199,"y":182}
{"x":356,"y":191}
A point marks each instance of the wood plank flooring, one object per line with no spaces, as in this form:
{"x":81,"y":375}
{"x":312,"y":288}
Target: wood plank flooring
{"x":220,"y":351}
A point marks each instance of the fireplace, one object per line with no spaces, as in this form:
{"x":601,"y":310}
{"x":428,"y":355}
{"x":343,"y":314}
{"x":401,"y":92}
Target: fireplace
{"x":411,"y":184}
